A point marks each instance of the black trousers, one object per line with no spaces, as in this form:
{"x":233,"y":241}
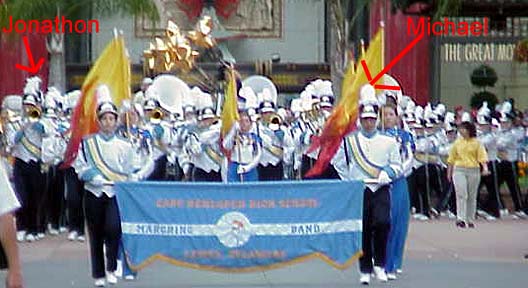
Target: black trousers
{"x":508,"y":173}
{"x":29,"y":188}
{"x":492,"y":204}
{"x":376,"y":227}
{"x":329,"y":173}
{"x":160,"y":170}
{"x":429,"y":178}
{"x":53,"y":205}
{"x":199,"y":175}
{"x":270,"y":172}
{"x":306,"y":165}
{"x":174,"y":171}
{"x":74,"y":201}
{"x":104,"y":228}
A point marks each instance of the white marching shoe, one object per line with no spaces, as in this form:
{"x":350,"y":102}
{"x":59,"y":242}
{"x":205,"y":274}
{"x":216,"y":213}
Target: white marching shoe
{"x":99,"y":282}
{"x":380,"y":273}
{"x":73,"y":235}
{"x":111,"y":278}
{"x":119,"y":270}
{"x":21,"y":236}
{"x":391,"y":276}
{"x":364,"y":278}
{"x":30,"y":238}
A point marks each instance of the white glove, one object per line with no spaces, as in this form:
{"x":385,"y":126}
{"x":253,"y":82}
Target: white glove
{"x":98,"y":181}
{"x":242,"y":169}
{"x":384,"y":178}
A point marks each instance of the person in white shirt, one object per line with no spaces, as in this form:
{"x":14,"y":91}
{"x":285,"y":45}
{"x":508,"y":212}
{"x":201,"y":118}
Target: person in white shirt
{"x":8,"y":204}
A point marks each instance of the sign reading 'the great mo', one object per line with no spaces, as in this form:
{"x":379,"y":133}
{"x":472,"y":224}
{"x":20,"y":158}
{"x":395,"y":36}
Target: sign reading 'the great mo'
{"x":478,"y":52}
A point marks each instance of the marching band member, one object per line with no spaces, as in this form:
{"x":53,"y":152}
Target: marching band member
{"x":419,"y":195}
{"x":180,"y":132}
{"x":488,"y":138}
{"x":447,"y":204}
{"x":507,"y":145}
{"x":323,"y":90}
{"x":74,"y":186}
{"x":53,"y":148}
{"x":132,"y":128}
{"x":365,"y":155}
{"x":305,"y":128}
{"x":271,"y":166}
{"x":105,"y":158}
{"x":27,"y":146}
{"x":246,"y":150}
{"x":203,"y":145}
{"x":157,"y":127}
{"x":434,"y":176}
{"x":295,"y":151}
{"x":284,"y":134}
{"x":400,"y":205}
{"x":139,"y":97}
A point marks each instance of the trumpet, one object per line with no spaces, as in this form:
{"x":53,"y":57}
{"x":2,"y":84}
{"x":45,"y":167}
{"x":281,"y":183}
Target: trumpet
{"x":156,"y":114}
{"x":275,"y":119}
{"x":33,"y":114}
{"x":274,"y":122}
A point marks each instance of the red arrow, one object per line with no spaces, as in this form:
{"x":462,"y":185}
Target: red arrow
{"x":397,"y":58}
{"x":373,"y":81}
{"x":369,"y":78}
{"x":32,"y":67}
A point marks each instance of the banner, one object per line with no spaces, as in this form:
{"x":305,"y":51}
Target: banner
{"x":240,"y":227}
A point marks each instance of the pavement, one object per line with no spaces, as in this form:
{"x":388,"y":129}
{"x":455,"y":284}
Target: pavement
{"x":438,"y":255}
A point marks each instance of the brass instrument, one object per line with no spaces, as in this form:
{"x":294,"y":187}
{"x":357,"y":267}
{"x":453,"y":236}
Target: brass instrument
{"x":156,"y":114}
{"x":275,"y":119}
{"x":33,"y":114}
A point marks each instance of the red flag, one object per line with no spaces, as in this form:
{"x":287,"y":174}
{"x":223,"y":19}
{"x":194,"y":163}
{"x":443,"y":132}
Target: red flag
{"x":83,"y":122}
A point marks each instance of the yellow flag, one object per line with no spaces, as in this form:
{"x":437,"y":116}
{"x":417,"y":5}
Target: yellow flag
{"x":229,"y":109}
{"x":113,"y":69}
{"x":373,"y":58}
{"x":344,"y":116}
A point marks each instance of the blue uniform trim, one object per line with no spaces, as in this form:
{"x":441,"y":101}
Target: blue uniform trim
{"x":158,"y":132}
{"x":38,"y":127}
{"x":89,"y":175}
{"x":389,"y":171}
{"x":18,"y":136}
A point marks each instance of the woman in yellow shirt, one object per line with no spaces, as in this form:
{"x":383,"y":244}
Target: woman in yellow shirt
{"x":466,"y":158}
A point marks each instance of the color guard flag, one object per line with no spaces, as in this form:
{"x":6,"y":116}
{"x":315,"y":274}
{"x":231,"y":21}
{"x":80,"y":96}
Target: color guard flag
{"x":343,"y":118}
{"x":112,"y":68}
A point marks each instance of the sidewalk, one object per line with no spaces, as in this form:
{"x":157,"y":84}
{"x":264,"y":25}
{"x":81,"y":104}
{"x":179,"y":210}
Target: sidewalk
{"x":438,"y":255}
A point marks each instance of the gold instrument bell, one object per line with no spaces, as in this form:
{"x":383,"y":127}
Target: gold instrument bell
{"x":156,"y":114}
{"x":33,"y":114}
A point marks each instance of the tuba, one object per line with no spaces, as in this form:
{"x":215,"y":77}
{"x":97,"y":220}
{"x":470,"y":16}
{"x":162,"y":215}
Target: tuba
{"x":258,"y":83}
{"x":170,"y":91}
